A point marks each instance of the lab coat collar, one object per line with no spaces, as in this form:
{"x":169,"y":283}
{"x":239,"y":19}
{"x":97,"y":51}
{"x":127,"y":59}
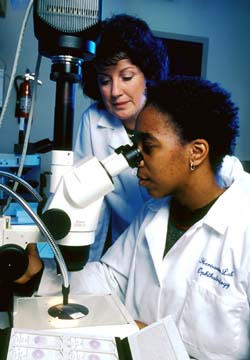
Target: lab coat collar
{"x":225,"y":209}
{"x":107,"y":120}
{"x":118,"y":135}
{"x":230,"y":171}
{"x":219,"y":217}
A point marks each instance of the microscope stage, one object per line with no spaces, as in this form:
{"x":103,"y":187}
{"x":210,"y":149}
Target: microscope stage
{"x":106,"y":315}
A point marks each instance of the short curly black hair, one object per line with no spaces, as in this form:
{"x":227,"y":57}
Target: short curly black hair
{"x":199,"y":109}
{"x":124,"y":36}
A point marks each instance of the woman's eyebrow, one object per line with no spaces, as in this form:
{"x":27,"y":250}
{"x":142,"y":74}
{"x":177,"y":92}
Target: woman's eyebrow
{"x":102,"y":73}
{"x":142,"y":136}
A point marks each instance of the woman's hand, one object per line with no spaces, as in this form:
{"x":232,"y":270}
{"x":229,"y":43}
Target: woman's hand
{"x":35,"y":264}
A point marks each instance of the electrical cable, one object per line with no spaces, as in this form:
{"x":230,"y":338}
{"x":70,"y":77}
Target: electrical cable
{"x":24,"y":183}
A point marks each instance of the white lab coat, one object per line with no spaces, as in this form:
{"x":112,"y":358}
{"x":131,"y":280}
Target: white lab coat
{"x":203,"y":281}
{"x":99,"y":134}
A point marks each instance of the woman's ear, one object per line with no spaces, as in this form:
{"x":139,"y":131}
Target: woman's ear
{"x":199,"y":151}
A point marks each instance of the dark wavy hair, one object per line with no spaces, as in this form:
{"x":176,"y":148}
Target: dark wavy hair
{"x":126,"y":37}
{"x":199,"y":109}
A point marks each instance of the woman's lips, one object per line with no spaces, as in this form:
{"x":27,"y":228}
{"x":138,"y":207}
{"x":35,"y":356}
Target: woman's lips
{"x":143,"y":181}
{"x":120,"y":104}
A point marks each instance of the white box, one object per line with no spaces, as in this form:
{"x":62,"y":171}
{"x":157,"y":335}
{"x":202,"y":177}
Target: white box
{"x":160,"y":340}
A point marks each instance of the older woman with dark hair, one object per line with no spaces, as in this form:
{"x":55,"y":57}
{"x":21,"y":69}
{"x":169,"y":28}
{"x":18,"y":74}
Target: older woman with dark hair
{"x":128,"y":58}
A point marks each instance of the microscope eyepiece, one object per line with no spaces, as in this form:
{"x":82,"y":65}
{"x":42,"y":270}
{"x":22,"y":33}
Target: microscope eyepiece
{"x":131,"y":153}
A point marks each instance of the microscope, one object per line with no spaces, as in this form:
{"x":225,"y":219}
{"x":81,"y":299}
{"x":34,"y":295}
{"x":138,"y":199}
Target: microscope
{"x":66,"y":31}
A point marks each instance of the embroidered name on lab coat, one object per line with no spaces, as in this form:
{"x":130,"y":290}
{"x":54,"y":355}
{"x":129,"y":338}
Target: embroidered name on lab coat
{"x":214,"y":273}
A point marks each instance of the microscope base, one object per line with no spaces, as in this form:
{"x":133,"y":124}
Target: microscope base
{"x":107,"y":316}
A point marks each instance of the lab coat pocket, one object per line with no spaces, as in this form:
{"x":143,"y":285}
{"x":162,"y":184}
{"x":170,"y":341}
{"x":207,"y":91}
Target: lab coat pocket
{"x":211,"y":323}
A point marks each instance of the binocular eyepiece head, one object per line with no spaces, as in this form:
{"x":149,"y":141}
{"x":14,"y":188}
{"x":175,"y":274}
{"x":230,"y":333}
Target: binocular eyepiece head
{"x":131,"y":153}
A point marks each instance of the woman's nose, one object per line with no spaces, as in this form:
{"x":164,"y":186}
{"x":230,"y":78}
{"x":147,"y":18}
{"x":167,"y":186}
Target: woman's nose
{"x":140,"y":162}
{"x":116,"y":88}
